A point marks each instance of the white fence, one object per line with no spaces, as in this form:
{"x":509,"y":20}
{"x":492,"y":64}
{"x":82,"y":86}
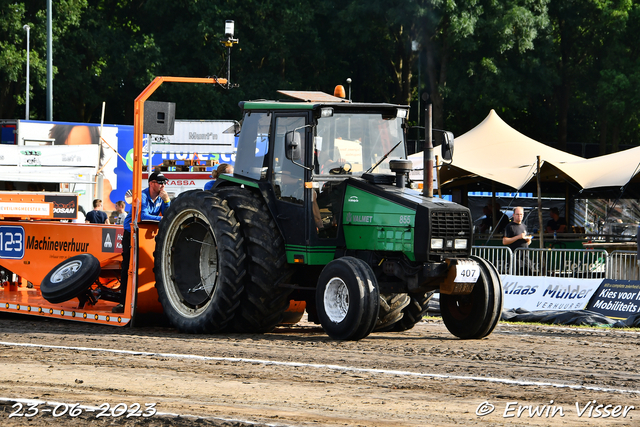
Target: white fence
{"x":623,"y":265}
{"x":572,"y":263}
{"x":500,"y":256}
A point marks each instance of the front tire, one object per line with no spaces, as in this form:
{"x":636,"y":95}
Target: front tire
{"x":347,"y":299}
{"x":475,"y":315}
{"x":200,"y":263}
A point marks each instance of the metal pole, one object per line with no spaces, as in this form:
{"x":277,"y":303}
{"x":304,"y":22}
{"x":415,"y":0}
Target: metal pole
{"x":419,"y":89}
{"x":49,"y":63}
{"x":427,"y":185}
{"x":540,"y":206}
{"x":229,"y":67}
{"x":26,"y":112}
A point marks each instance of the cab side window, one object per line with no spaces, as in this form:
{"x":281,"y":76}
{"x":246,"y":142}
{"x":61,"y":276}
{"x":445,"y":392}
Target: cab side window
{"x":288,"y":178}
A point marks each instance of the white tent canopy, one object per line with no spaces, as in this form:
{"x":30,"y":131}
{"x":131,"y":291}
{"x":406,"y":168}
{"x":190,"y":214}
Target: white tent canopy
{"x":494,"y":150}
{"x":611,"y":170}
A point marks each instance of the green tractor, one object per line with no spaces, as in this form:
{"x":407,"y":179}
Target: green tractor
{"x":318,"y":210}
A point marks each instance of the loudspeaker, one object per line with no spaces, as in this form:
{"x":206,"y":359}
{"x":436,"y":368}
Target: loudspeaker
{"x":159,"y":117}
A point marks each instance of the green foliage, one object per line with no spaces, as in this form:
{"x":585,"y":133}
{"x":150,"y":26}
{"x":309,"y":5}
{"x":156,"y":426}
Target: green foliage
{"x":560,"y":72}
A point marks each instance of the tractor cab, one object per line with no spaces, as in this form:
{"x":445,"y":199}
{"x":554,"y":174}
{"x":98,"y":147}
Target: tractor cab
{"x":300,"y":153}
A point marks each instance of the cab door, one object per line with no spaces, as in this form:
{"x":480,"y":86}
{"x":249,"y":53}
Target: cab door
{"x":288,"y":177}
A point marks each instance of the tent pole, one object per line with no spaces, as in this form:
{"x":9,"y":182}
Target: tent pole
{"x":568,"y":204}
{"x":494,"y":211}
{"x":539,"y":205}
{"x":438,"y":177}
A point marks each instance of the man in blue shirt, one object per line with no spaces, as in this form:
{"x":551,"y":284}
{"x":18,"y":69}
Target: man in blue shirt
{"x":97,"y":215}
{"x":154,"y":201}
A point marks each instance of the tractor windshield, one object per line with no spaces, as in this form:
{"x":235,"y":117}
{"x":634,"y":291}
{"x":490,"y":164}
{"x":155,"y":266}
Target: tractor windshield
{"x":352,"y":143}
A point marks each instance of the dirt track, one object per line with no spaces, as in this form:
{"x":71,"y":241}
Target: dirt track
{"x":436,"y":379}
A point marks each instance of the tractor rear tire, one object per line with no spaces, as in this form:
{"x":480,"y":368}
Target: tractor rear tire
{"x":391,"y":311}
{"x":475,"y":315}
{"x":414,"y":312}
{"x":70,"y":278}
{"x":200,"y":263}
{"x":347,"y":299}
{"x":263,"y":302}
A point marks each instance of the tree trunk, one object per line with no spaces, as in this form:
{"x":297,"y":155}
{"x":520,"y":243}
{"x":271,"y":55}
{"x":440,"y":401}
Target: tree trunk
{"x":603,"y":136}
{"x":615,"y":138}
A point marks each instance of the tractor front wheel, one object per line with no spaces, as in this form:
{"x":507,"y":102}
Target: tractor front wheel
{"x":347,"y":299}
{"x":475,"y":315}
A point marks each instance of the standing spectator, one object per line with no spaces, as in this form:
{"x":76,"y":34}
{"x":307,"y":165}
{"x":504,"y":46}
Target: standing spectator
{"x":97,"y":215}
{"x":516,"y":236}
{"x":154,"y":201}
{"x":119,"y":214}
{"x":222,"y":168}
{"x":557,"y":223}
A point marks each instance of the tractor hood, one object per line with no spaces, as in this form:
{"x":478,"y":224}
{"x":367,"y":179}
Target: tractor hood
{"x":401,"y":219}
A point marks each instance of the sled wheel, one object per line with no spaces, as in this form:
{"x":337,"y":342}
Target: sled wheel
{"x":263,"y":302}
{"x":199,"y":263}
{"x":475,"y":315}
{"x":414,"y":312}
{"x":70,"y":278}
{"x":391,"y":310}
{"x":347,"y":299}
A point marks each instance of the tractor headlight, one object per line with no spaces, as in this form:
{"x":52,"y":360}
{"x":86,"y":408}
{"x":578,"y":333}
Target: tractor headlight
{"x":436,"y":243}
{"x":460,"y":244}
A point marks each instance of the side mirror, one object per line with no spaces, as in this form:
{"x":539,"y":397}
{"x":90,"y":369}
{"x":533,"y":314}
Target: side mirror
{"x":292,"y":145}
{"x":447,"y":146}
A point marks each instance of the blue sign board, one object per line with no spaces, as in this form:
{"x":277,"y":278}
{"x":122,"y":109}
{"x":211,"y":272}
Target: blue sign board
{"x":11,"y":242}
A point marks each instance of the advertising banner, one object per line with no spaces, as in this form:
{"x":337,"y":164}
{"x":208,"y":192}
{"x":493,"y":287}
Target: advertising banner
{"x":617,"y":299}
{"x":547,"y":293}
{"x":201,"y":137}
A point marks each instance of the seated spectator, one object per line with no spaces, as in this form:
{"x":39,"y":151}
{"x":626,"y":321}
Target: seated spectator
{"x":97,"y":215}
{"x":556,"y":224}
{"x":119,"y":214}
{"x":222,"y":168}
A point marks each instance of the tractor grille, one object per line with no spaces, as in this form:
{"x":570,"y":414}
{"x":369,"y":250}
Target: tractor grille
{"x":450,"y":225}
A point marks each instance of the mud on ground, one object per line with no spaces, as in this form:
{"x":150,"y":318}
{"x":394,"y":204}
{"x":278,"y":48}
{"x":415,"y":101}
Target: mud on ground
{"x":299,"y":376}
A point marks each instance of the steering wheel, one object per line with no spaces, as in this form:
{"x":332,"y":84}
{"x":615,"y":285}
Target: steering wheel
{"x":341,"y":169}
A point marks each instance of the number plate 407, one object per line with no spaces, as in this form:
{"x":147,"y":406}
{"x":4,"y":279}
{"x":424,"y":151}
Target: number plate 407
{"x":467,"y":273}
